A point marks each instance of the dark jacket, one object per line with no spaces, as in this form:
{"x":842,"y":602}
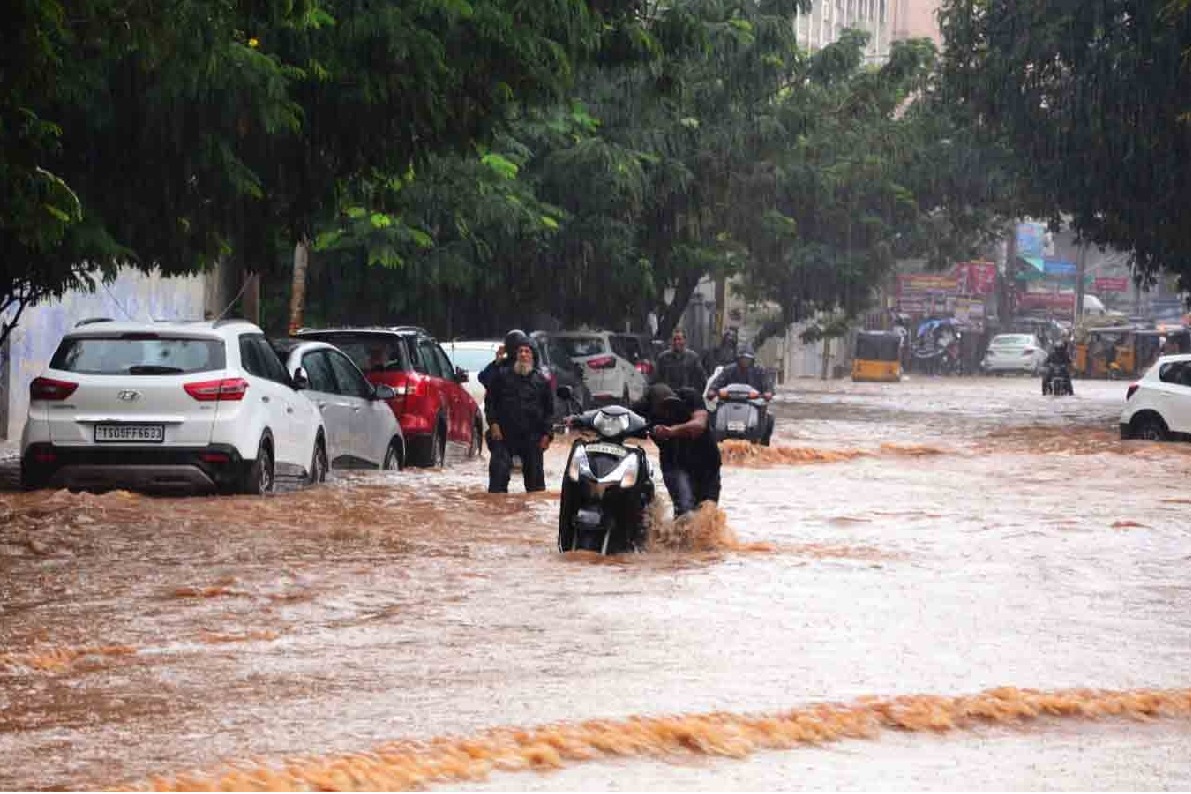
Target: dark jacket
{"x":1058,"y":358}
{"x":699,"y":454}
{"x":521,"y":404}
{"x":679,"y":370}
{"x":754,"y":376}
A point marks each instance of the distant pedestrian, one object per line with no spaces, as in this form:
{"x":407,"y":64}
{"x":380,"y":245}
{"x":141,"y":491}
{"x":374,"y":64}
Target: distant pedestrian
{"x":519,"y":406}
{"x":678,"y":367}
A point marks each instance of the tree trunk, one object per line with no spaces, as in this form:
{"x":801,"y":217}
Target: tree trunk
{"x":251,"y":299}
{"x":823,"y":372}
{"x":1080,"y":270}
{"x":297,"y":295}
{"x":673,"y":313}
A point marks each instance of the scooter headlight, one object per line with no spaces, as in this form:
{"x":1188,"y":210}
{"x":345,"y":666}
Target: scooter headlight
{"x":629,"y":478}
{"x":610,"y":426}
{"x":579,"y":465}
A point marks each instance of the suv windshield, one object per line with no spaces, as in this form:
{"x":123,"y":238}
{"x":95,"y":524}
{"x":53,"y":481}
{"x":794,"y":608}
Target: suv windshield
{"x":369,"y":352}
{"x":577,"y":346}
{"x":138,"y":354}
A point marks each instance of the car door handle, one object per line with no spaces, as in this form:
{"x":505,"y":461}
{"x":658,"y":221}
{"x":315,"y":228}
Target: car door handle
{"x":265,"y":398}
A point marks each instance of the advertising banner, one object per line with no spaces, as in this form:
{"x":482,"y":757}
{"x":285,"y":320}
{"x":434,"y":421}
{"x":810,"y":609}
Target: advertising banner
{"x":1031,"y":239}
{"x":1110,"y":284}
{"x":976,"y":278}
{"x":924,"y":283}
{"x":1054,"y":267}
{"x":1057,"y":301}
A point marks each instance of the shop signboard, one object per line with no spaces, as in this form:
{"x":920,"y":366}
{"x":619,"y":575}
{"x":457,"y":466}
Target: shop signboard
{"x":1055,"y":267}
{"x":925,"y":283}
{"x":1031,"y":239}
{"x":1055,"y":301}
{"x":1111,"y":284}
{"x":976,"y":278}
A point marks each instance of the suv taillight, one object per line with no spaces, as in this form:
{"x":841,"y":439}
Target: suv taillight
{"x":603,"y":362}
{"x":1129,"y":392}
{"x":644,"y":366}
{"x":50,"y":389}
{"x":225,"y":389}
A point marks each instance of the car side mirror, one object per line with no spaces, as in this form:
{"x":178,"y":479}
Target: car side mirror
{"x":300,"y":380}
{"x":383,"y":391}
{"x":461,"y":375}
{"x":564,"y":392}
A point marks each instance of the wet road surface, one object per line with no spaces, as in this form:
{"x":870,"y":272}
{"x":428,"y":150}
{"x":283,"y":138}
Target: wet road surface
{"x":941,"y":537}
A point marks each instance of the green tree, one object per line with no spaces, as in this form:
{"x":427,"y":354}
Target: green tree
{"x":1093,"y":97}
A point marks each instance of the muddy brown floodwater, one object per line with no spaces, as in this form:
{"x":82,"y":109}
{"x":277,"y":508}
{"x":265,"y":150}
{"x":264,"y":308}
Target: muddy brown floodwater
{"x":933,"y":584}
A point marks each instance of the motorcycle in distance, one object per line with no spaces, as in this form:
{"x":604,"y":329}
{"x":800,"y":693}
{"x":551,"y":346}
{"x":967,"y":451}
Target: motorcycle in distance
{"x":1057,"y":382}
{"x":607,"y":486}
{"x":741,"y":412}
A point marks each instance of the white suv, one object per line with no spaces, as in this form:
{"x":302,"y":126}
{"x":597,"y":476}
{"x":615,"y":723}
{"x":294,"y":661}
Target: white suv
{"x":1158,"y":407}
{"x":169,"y":406}
{"x":607,"y":371}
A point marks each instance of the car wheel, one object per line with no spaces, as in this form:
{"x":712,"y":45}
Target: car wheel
{"x":392,"y":456}
{"x":1150,"y":428}
{"x":318,"y":462}
{"x":258,"y":478}
{"x":477,"y":440}
{"x":438,"y":448}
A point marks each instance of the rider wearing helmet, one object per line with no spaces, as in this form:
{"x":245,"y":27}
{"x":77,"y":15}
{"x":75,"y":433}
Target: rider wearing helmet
{"x":1058,"y":360}
{"x":745,"y":371}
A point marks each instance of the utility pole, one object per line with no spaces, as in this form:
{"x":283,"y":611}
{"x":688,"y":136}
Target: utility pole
{"x":1081,"y":266}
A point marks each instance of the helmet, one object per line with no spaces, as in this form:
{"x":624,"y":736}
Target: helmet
{"x":515,"y":339}
{"x":746,"y":352}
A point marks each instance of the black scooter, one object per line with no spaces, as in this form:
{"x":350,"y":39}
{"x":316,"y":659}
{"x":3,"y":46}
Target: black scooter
{"x":741,"y":412}
{"x":1057,"y":382}
{"x":607,"y":486}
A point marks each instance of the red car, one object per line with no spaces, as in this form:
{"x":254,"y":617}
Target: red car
{"x":431,"y":404}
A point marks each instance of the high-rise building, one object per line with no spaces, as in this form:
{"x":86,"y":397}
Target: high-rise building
{"x":914,"y":19}
{"x":885,"y":20}
{"x":829,"y":18}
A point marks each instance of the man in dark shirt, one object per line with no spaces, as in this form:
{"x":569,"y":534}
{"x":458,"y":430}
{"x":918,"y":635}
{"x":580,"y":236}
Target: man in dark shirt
{"x":689,"y":455}
{"x":678,"y":367}
{"x":518,"y":405}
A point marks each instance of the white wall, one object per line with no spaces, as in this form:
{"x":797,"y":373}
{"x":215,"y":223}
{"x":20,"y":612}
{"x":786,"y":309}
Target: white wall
{"x":134,"y":295}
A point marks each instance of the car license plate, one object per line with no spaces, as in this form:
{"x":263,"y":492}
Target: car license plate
{"x":736,"y":427}
{"x":130,"y":433}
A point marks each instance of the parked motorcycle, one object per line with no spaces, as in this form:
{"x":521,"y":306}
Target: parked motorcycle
{"x":607,"y":486}
{"x":1057,"y":382}
{"x":741,"y":412}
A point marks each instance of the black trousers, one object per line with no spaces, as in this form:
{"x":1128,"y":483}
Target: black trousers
{"x":688,"y":488}
{"x":500,"y":464}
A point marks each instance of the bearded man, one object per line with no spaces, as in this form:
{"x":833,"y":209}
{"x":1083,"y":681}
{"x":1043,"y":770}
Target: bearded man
{"x":519,"y":405}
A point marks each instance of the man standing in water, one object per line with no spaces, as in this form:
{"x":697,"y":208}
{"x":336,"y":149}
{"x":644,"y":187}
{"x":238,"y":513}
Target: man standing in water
{"x":686,"y":446}
{"x":518,"y":404}
{"x":678,"y":367}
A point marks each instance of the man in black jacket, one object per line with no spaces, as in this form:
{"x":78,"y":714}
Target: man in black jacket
{"x":518,"y":405}
{"x":689,"y":455}
{"x":678,"y":367}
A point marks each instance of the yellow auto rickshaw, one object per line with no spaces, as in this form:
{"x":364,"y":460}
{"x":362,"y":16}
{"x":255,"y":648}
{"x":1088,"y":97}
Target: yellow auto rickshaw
{"x":877,"y":357}
{"x":1096,"y":351}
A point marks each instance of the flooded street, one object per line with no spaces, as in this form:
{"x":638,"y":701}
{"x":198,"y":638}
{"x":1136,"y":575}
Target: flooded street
{"x":937,"y":537}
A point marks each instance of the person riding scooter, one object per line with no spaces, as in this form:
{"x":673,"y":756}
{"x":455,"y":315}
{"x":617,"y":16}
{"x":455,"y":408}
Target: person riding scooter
{"x":1058,"y":362}
{"x":747,"y":372}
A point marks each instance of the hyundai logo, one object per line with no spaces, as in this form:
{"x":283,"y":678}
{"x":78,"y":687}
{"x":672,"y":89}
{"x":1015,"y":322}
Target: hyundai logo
{"x":129,"y":395}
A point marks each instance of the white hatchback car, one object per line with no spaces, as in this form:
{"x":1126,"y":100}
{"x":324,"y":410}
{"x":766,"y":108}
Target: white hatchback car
{"x":362,"y":431}
{"x":474,"y":356}
{"x":1014,"y":353}
{"x":1158,"y":406}
{"x":609,"y":375}
{"x":169,"y":406}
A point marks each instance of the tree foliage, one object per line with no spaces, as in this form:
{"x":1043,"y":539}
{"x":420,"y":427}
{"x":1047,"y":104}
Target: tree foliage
{"x":1093,"y":97}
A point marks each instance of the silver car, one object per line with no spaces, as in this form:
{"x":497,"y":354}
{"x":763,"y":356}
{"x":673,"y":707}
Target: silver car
{"x":1014,"y":353}
{"x":362,"y":431}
